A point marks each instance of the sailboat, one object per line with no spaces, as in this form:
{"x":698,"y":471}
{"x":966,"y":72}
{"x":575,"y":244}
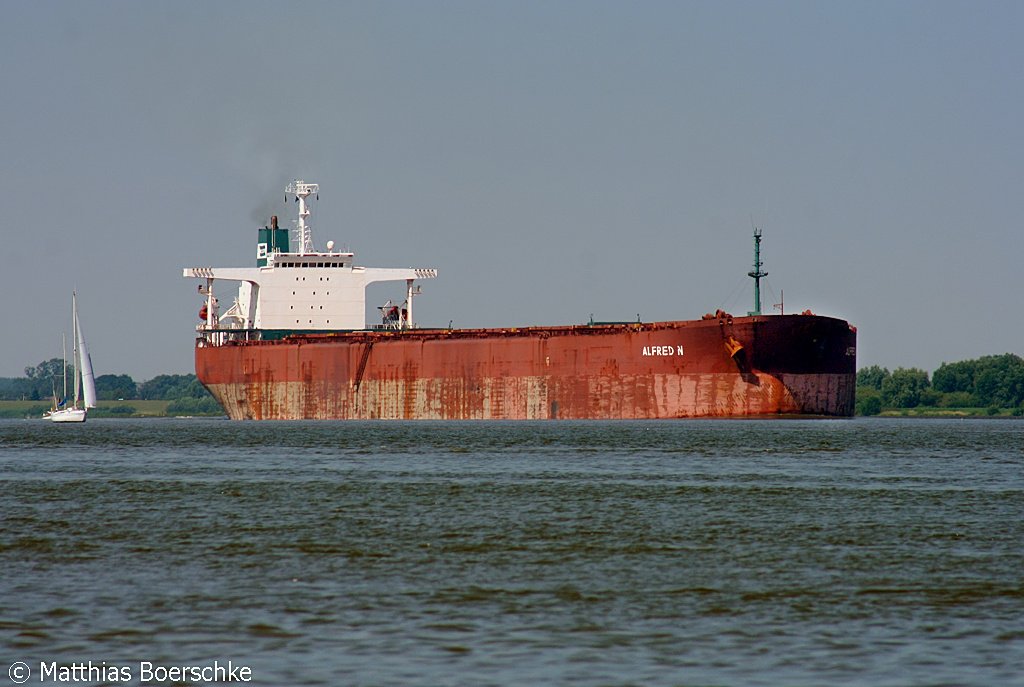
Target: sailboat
{"x":85,"y":383}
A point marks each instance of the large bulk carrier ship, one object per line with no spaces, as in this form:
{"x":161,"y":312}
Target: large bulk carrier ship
{"x":294,"y":344}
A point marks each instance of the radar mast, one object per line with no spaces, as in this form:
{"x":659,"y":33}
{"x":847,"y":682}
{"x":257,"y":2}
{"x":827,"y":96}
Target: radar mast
{"x":757,"y":273}
{"x":301,"y":190}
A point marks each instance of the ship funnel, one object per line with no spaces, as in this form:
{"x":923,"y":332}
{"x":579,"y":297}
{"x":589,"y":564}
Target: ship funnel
{"x":272,"y":239}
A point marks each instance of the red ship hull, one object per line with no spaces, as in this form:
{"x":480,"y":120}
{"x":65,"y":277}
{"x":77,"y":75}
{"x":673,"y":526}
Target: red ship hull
{"x":729,"y":367}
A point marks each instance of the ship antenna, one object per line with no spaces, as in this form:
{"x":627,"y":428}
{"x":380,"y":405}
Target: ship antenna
{"x":757,"y":273}
{"x":301,"y":190}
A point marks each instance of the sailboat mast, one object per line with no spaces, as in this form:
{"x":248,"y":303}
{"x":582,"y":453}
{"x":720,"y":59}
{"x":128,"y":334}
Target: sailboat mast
{"x":74,"y":316}
{"x":64,"y":366}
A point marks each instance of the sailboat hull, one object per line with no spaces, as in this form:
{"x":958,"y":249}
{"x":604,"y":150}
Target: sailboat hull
{"x":68,"y":415}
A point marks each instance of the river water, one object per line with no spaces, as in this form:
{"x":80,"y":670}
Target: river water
{"x":791,"y":552}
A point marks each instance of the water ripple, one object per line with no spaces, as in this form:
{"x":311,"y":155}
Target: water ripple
{"x":866,"y":552}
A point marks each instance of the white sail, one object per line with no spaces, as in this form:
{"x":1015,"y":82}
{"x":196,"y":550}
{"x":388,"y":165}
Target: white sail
{"x":85,"y":365}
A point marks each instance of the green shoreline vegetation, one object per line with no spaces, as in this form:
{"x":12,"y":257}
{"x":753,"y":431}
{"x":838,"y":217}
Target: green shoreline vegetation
{"x":117,"y":395}
{"x":991,"y":386}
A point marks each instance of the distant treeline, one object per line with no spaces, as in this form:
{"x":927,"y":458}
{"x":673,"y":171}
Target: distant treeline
{"x":992,"y":382}
{"x":42,"y":381}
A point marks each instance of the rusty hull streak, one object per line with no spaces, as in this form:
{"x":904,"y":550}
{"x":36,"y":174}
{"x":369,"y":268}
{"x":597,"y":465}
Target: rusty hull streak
{"x":793,"y":364}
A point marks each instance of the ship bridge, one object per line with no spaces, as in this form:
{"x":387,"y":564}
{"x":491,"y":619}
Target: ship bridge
{"x":306,"y":290}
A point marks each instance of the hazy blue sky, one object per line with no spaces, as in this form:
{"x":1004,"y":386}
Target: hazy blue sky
{"x":552,"y":159}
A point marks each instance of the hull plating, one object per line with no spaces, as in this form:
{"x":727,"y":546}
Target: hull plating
{"x":752,"y":366}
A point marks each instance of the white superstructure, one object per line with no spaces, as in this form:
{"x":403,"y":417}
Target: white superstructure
{"x":307,"y":290}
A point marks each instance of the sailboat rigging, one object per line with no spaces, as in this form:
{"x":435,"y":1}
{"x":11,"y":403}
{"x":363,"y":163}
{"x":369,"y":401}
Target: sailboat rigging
{"x":84,"y":381}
